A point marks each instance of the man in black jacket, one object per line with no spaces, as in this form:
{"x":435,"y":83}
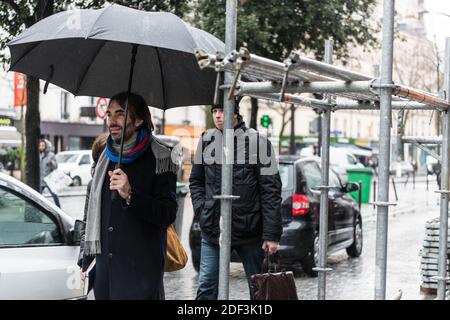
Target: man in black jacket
{"x":256,"y":215}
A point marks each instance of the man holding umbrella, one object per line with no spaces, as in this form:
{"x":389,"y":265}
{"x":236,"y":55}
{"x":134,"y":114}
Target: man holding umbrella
{"x":153,"y":60}
{"x":128,"y":235}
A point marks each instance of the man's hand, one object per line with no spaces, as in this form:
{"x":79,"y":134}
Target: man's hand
{"x":118,"y":180}
{"x":270,"y":246}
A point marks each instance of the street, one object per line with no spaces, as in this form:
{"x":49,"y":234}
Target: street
{"x":350,"y":278}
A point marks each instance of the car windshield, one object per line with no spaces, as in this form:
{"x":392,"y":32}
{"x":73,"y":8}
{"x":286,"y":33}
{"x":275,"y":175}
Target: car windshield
{"x":286,"y":176}
{"x":67,"y":158}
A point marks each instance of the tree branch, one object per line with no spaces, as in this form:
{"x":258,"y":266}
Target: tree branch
{"x":12,"y":4}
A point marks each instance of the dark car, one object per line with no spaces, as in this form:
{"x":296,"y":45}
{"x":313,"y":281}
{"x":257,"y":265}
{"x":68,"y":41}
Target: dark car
{"x":300,"y":215}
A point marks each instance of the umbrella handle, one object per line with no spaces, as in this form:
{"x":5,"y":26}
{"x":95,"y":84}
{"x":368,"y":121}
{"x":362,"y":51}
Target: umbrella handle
{"x":114,"y":193}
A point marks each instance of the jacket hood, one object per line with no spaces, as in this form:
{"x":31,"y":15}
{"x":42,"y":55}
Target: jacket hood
{"x":48,"y":146}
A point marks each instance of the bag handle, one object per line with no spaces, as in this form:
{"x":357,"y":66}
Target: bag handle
{"x":271,"y":262}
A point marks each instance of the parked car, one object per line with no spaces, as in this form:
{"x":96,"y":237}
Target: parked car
{"x":76,"y":164}
{"x":300,"y":215}
{"x":363,"y":154}
{"x":39,"y":246}
{"x":341,"y":160}
{"x":401,"y":167}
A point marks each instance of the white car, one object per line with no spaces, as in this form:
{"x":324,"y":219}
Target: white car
{"x":76,"y":164}
{"x":341,"y":160}
{"x":39,"y":246}
{"x":401,"y":168}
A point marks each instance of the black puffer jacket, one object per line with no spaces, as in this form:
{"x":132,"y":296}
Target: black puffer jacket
{"x":256,"y":215}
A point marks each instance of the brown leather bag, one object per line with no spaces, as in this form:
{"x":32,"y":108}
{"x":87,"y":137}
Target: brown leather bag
{"x":273,"y":285}
{"x":176,"y":257}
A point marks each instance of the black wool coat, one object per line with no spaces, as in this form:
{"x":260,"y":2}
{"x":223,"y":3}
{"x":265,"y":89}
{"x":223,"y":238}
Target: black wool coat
{"x":133,"y":238}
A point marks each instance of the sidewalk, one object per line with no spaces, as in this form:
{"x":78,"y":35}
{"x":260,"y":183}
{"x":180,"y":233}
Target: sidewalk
{"x":68,"y":192}
{"x":410,"y":199}
{"x":417,"y":178}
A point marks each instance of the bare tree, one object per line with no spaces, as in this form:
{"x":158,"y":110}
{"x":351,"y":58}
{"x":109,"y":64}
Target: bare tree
{"x":283,"y":110}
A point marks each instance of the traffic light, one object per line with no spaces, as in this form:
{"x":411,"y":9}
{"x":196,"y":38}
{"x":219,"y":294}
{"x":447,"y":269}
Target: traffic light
{"x":266,"y":121}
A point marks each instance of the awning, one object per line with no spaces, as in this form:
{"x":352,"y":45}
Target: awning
{"x":9,"y":136}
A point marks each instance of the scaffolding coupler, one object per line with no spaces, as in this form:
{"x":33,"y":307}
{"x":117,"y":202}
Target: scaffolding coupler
{"x":243,"y":57}
{"x":227,"y":61}
{"x":288,"y":64}
{"x":204,"y":59}
{"x":219,"y":79}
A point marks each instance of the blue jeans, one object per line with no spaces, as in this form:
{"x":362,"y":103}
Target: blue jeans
{"x":251,"y":255}
{"x":54,"y":196}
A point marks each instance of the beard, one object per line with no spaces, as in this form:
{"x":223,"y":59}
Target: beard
{"x":118,"y":135}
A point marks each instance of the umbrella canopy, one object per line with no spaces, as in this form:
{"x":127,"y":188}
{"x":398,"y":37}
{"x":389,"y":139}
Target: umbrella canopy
{"x":89,"y":53}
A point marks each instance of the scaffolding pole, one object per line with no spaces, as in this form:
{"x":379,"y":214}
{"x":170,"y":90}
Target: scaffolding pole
{"x":418,"y":95}
{"x":422,"y":140}
{"x":303,"y":75}
{"x":374,"y":105}
{"x":261,"y":63}
{"x":288,"y":77}
{"x":327,"y":69}
{"x":385,"y":144}
{"x":325,"y":165}
{"x":442,"y":277}
{"x":227,"y":161}
{"x":307,"y":87}
{"x":297,"y":100}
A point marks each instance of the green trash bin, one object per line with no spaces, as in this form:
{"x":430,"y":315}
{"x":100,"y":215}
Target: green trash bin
{"x":363,"y":175}
{"x":182,"y":190}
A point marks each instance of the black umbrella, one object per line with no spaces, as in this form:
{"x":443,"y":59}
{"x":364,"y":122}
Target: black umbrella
{"x":103,"y":52}
{"x":94,"y":56}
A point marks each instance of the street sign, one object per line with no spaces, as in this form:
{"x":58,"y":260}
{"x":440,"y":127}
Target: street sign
{"x":100,"y":108}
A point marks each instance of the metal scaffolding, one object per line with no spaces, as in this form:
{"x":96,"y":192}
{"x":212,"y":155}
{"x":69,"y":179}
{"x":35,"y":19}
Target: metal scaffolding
{"x":284,"y":82}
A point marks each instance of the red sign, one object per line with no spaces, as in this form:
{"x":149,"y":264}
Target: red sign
{"x":20,"y":89}
{"x":100,"y":108}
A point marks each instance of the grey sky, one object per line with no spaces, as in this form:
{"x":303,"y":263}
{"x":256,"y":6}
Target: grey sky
{"x":438,"y":24}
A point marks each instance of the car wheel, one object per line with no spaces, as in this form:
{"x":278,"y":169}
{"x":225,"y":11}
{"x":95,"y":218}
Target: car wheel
{"x":76,"y":181}
{"x":311,"y":260}
{"x":355,"y":249}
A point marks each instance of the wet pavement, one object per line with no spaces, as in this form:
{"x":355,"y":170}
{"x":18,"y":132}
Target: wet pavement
{"x":351,"y":278}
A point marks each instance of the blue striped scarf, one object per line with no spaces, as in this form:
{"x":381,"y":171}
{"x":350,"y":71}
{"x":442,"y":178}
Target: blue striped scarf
{"x":143,"y":141}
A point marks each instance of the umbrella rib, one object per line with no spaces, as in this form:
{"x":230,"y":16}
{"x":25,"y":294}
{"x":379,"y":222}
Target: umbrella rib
{"x":88,"y":34}
{"x":162,"y":78}
{"x":27,"y":52}
{"x":89,"y":67}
